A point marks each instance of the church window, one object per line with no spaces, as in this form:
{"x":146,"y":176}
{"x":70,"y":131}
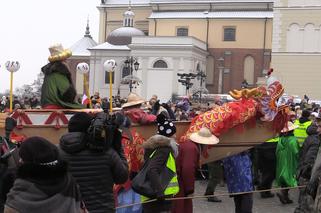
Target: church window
{"x":182,"y":31}
{"x":160,"y":64}
{"x":229,"y":33}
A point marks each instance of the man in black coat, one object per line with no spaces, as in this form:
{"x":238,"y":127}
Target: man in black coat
{"x":96,"y":167}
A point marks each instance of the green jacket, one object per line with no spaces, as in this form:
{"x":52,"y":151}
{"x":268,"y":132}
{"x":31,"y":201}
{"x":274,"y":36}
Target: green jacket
{"x":57,"y":88}
{"x":287,"y":156}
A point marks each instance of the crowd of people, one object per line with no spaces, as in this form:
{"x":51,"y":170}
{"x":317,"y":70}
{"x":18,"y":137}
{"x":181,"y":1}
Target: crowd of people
{"x":94,"y":173}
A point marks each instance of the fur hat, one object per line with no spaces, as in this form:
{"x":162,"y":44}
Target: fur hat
{"x":39,"y":151}
{"x":58,"y":53}
{"x":79,"y":122}
{"x":164,"y":126}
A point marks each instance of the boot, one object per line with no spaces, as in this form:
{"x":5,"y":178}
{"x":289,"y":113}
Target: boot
{"x":214,"y":199}
{"x":281,"y":197}
{"x":266,"y":195}
{"x":286,"y":196}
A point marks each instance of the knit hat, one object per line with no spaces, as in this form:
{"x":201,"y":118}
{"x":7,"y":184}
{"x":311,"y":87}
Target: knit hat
{"x":79,"y":122}
{"x":164,"y":126}
{"x":39,"y":151}
{"x":306,"y":113}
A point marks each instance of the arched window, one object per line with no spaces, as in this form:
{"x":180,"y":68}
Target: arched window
{"x":294,"y":38}
{"x":160,"y":64}
{"x":125,"y":72}
{"x":249,"y":69}
{"x":310,"y":38}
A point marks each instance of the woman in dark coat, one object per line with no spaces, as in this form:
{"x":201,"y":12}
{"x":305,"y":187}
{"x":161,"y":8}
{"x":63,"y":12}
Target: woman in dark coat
{"x":95,"y":167}
{"x":43,"y":183}
{"x":157,"y":151}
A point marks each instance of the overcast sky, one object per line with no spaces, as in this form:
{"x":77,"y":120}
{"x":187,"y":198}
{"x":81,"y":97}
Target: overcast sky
{"x":28,"y":28}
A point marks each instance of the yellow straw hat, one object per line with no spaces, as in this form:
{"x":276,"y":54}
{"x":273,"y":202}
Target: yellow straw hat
{"x":204,"y":136}
{"x":132,"y":100}
{"x":58,"y":53}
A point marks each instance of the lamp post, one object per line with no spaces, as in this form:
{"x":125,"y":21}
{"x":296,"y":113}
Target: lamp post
{"x":131,"y":63}
{"x":220,"y":77}
{"x":83,"y":68}
{"x":185,"y":80}
{"x":110,"y":66}
{"x":12,"y":66}
{"x":201,"y":76}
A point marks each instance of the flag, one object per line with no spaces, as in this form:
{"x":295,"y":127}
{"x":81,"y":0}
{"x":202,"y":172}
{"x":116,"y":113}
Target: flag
{"x":85,"y":100}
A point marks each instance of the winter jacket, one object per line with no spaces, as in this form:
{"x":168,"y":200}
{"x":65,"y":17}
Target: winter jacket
{"x":163,"y":146}
{"x":187,"y":163}
{"x":308,"y":152}
{"x":95,"y":172}
{"x":57,"y":88}
{"x":238,"y":173}
{"x":39,"y":189}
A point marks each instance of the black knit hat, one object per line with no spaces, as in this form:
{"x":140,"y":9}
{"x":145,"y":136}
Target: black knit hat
{"x":79,"y":122}
{"x":164,"y":126}
{"x":39,"y":151}
{"x":306,"y":113}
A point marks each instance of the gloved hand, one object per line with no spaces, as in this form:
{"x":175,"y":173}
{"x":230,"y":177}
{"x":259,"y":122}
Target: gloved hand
{"x":312,"y":187}
{"x":160,"y":197}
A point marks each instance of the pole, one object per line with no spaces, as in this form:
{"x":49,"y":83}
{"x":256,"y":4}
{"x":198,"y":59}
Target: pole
{"x":11,"y":83}
{"x":87,"y":90}
{"x":201,"y":87}
{"x":131,"y":74}
{"x":220,"y":81}
{"x":110,"y":92}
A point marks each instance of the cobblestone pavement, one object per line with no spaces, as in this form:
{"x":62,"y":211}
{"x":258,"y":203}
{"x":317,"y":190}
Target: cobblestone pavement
{"x":271,"y":205}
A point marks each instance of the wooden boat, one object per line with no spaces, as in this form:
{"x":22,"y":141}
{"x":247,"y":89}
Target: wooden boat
{"x":232,"y":142}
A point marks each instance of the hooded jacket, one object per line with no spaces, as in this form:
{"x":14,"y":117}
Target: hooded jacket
{"x":41,"y":189}
{"x":309,"y":152}
{"x":163,"y":146}
{"x":95,"y":172}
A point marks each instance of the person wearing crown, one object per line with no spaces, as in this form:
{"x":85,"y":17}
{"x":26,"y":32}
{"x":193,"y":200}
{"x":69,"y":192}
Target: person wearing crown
{"x":58,"y":91}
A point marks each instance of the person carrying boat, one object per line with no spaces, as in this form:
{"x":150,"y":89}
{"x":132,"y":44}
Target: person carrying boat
{"x":287,"y":156}
{"x":187,"y":164}
{"x":303,"y":123}
{"x":58,"y":91}
{"x":160,"y":151}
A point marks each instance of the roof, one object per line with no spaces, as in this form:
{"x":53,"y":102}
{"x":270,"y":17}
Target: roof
{"x":123,"y":35}
{"x":208,"y":1}
{"x":108,"y":46}
{"x":80,"y":48}
{"x":218,"y":14}
{"x":126,"y":2}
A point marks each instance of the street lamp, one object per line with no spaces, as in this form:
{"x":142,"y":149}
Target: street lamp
{"x":110,"y":66}
{"x":201,"y":76}
{"x":12,"y":66}
{"x":220,"y":77}
{"x":132,"y":64}
{"x":83,"y":68}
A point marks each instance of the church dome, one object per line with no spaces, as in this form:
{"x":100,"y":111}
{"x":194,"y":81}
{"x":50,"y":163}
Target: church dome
{"x":123,"y":35}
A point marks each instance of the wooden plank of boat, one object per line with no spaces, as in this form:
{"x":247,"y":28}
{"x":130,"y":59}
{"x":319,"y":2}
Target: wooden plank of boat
{"x":235,"y":141}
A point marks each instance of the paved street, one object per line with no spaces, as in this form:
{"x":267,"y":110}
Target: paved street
{"x":227,"y":206}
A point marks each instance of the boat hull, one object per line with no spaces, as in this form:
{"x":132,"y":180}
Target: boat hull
{"x":232,"y":142}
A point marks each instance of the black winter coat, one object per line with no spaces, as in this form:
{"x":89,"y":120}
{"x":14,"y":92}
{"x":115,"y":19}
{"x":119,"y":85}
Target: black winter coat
{"x":95,"y":172}
{"x":309,"y":152}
